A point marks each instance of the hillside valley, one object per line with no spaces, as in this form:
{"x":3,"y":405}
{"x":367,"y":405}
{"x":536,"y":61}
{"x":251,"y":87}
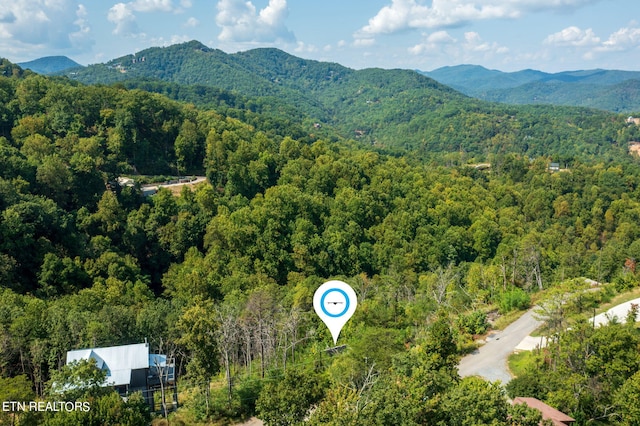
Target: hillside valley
{"x":443,"y":213}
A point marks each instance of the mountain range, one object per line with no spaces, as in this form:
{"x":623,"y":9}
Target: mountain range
{"x":265,"y":72}
{"x":611,"y":90}
{"x":359,"y":103}
{"x":395,"y":110}
{"x":254,"y":74}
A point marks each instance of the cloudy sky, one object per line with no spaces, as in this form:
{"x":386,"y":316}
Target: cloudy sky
{"x":550,"y":35}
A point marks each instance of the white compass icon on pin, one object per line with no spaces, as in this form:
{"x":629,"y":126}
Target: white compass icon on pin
{"x":335,"y":302}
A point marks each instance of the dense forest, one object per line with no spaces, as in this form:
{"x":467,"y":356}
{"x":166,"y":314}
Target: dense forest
{"x":222,"y":277}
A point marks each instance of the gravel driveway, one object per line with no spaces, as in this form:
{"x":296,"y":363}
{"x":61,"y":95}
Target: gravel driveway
{"x":490,"y":360}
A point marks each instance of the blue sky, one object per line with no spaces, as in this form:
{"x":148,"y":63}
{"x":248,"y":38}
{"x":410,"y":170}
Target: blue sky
{"x":509,"y":35}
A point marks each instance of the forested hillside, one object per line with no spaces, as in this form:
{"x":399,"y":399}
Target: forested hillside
{"x":391,"y":109}
{"x":222,"y":277}
{"x":620,"y":97}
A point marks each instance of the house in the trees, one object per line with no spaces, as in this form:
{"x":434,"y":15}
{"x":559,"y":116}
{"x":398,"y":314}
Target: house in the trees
{"x":558,"y":418}
{"x":131,"y":368}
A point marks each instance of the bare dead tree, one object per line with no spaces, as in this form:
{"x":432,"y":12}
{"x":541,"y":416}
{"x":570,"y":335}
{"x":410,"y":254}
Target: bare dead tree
{"x":363,"y":285}
{"x":246,"y":339}
{"x":260,"y":317}
{"x":531,"y":264}
{"x":503,"y":270}
{"x":291,"y":328}
{"x":163,"y":370}
{"x":291,"y":331}
{"x":444,"y":278}
{"x":228,"y":336}
{"x":363,"y":392}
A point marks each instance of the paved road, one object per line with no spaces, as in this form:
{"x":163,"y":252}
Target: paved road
{"x":490,"y":360}
{"x":620,"y":312}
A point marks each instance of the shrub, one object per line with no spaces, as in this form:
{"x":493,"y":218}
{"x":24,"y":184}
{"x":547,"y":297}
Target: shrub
{"x":625,"y":282}
{"x":514,"y":299}
{"x":529,"y":384}
{"x":473,"y":323}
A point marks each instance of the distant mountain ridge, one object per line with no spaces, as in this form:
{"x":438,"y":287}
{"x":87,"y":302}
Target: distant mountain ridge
{"x":611,"y":90}
{"x":397,"y":110}
{"x":50,"y":64}
{"x":193,"y":63}
{"x":327,"y":92}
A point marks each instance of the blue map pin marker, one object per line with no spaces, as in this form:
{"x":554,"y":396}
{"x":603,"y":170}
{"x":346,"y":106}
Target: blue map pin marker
{"x":335,"y":302}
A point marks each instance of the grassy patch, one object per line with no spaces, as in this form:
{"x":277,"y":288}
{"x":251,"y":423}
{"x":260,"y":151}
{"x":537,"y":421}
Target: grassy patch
{"x":177,"y":190}
{"x":519,"y":363}
{"x":504,"y":320}
{"x":538,"y":332}
{"x":621,"y":298}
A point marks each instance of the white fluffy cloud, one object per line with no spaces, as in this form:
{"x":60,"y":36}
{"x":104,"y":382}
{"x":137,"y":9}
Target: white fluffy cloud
{"x":404,"y":14}
{"x":191,"y":22}
{"x":417,"y":14}
{"x":475,"y":43}
{"x":242,"y":22}
{"x":440,"y":37}
{"x":591,"y":45}
{"x":124,"y":19}
{"x":302,"y":47}
{"x":54,"y":25}
{"x":573,"y":36}
{"x":473,"y":47}
{"x":152,"y":5}
{"x":123,"y":15}
{"x":434,"y":42}
{"x":364,"y":42}
{"x":623,"y":39}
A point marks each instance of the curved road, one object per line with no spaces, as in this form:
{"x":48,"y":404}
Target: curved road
{"x":156,"y":186}
{"x":152,"y":188}
{"x":490,"y":360}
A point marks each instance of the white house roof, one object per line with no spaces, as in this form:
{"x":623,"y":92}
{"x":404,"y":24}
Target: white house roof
{"x":118,"y":361}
